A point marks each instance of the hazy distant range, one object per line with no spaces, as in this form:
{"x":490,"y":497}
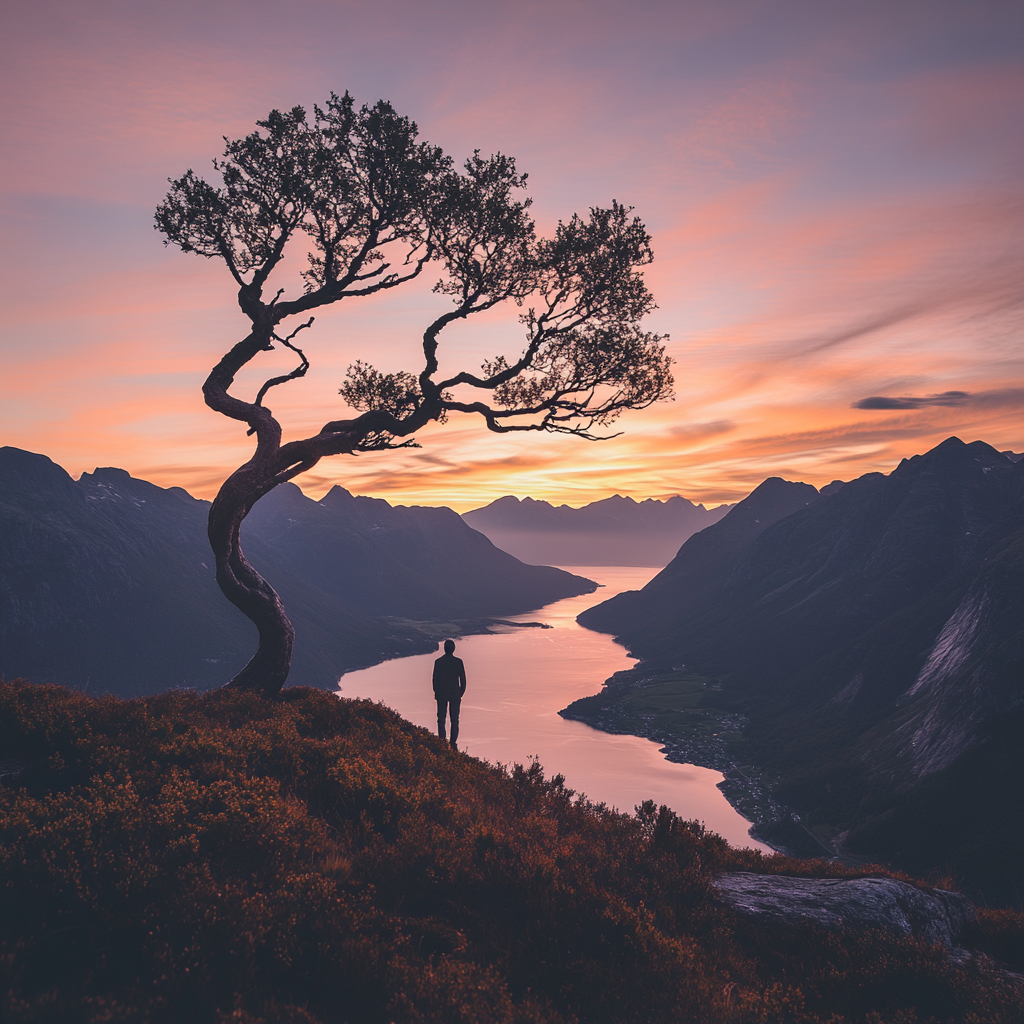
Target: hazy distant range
{"x":615,"y":531}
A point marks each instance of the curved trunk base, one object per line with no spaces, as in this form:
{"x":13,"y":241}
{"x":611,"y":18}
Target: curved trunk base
{"x":247,"y":590}
{"x":267,"y":670}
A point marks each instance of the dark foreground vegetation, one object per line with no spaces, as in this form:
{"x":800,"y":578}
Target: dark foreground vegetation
{"x":221,"y":857}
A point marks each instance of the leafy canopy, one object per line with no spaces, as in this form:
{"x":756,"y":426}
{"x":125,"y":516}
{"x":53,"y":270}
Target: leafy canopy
{"x":375,"y":207}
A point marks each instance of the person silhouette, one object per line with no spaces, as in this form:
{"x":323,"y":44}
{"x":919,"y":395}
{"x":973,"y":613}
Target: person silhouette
{"x":449,"y":686}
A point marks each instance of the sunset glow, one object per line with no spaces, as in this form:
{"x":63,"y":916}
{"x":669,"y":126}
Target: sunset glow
{"x":834,"y":194}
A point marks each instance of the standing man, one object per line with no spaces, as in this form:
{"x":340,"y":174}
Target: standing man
{"x":449,"y":686}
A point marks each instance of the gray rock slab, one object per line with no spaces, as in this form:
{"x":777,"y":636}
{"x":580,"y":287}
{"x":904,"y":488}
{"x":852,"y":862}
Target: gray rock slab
{"x":883,"y":903}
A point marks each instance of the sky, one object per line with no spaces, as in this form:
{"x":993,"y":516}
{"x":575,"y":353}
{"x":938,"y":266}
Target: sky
{"x":834,"y":192}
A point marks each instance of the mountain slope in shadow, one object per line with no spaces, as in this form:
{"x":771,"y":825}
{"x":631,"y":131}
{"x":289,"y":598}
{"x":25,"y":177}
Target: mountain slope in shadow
{"x":614,"y":531}
{"x":702,"y":566}
{"x":875,"y":640}
{"x":417,"y":562}
{"x":107,"y":582}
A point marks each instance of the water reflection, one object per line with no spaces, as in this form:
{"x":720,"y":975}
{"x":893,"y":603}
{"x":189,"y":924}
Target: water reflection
{"x":520,"y":679}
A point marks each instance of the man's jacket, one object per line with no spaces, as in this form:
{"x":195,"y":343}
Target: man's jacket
{"x":449,"y":677}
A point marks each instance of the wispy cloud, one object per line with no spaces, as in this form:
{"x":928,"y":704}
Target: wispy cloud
{"x":700,"y":431}
{"x":1004,"y":397}
{"x":947,"y":398}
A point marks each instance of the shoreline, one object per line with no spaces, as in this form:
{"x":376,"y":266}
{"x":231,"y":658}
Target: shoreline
{"x":679,"y":710}
{"x":437,"y":630}
{"x":427,"y":635}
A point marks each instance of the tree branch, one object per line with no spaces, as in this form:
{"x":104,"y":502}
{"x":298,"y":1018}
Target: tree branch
{"x":299,"y":371}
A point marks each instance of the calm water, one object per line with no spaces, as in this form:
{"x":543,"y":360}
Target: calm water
{"x":517,"y":683}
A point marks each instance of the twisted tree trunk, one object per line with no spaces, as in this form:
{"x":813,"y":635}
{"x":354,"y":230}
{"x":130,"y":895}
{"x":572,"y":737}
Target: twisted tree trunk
{"x":245,"y":588}
{"x":271,"y":464}
{"x":240,"y":583}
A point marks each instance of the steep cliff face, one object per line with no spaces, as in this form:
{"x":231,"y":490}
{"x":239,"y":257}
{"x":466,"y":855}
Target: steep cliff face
{"x":971,"y":671}
{"x":875,"y":640}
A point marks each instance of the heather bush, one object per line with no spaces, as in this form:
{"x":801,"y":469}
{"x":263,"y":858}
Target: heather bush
{"x":312,"y":860}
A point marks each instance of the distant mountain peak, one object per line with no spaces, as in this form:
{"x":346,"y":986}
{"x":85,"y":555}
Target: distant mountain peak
{"x":109,"y":473}
{"x":951,"y":454}
{"x":617,"y":530}
{"x":337,"y":493}
{"x":15,"y":463}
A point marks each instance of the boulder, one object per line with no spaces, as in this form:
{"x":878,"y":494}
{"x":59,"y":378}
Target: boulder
{"x":935,"y":915}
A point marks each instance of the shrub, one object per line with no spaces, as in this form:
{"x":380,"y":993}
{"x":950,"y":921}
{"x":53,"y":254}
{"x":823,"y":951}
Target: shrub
{"x":224,"y":858}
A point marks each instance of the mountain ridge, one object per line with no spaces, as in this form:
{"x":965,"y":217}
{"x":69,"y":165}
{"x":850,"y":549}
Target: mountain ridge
{"x":412,"y":561}
{"x":111,"y":578}
{"x":707,"y":558}
{"x":613,"y":531}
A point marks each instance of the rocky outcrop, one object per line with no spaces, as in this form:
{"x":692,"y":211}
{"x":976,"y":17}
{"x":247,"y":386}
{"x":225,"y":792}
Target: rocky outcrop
{"x":935,"y":915}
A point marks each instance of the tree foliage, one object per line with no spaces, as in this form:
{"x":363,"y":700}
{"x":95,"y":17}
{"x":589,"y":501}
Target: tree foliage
{"x":377,"y":206}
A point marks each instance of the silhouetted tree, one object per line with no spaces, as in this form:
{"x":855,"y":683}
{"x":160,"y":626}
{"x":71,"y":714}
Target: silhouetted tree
{"x":376,"y":207}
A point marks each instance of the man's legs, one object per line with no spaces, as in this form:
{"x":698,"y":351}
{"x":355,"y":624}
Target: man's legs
{"x":454,"y":705}
{"x":442,"y":713}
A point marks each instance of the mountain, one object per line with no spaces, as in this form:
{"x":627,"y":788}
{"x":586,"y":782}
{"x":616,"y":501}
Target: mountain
{"x":614,"y":531}
{"x":417,"y":563}
{"x":875,"y":640}
{"x":703,"y":565}
{"x":107,"y":582}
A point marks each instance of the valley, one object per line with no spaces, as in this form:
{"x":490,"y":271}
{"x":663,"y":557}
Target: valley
{"x":851,"y":660}
{"x":613,"y":531}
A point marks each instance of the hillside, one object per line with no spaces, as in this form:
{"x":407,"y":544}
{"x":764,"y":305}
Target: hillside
{"x":614,"y":531}
{"x":418,"y":562}
{"x":874,"y":640}
{"x":703,"y":565}
{"x":107,"y":582}
{"x":218,"y":857}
